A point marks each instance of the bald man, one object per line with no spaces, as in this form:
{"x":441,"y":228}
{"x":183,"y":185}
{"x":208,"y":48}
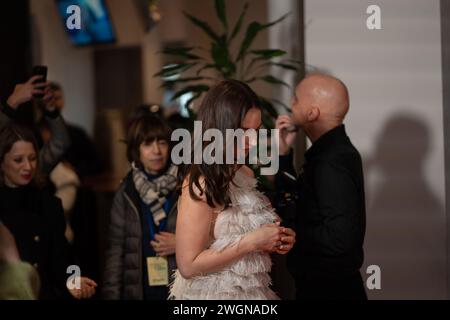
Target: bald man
{"x":329,"y":193}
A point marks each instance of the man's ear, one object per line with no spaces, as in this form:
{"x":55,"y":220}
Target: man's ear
{"x":313,"y":114}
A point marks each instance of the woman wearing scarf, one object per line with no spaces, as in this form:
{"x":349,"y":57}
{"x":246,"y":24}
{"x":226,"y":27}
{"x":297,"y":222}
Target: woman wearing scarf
{"x":141,"y":251}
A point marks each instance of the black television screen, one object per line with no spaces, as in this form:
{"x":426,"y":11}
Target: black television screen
{"x":96,"y":26}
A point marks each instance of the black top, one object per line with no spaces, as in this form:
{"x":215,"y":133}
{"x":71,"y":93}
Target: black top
{"x":82,"y":154}
{"x":329,"y":207}
{"x":36,"y":220}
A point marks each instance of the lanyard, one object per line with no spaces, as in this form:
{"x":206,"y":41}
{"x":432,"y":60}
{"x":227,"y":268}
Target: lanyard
{"x":162,"y":225}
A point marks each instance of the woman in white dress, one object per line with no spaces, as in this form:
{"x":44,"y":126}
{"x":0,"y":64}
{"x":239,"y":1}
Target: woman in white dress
{"x":226,"y":229}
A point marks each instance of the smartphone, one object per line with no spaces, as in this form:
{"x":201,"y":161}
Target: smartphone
{"x":40,"y":71}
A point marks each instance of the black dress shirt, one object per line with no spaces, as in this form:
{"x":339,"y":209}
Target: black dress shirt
{"x":329,"y":208}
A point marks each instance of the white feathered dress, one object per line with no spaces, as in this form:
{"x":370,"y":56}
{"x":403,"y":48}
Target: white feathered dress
{"x":247,"y":278}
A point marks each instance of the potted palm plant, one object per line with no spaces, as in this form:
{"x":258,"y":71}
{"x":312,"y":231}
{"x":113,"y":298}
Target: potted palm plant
{"x":198,"y":67}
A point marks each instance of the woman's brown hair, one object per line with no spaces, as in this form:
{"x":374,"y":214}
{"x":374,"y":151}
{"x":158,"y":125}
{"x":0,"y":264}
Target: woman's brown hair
{"x":224,"y":107}
{"x":11,"y":134}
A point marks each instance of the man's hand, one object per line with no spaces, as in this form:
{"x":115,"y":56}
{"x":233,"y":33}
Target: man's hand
{"x":24,"y":92}
{"x":86,"y":291}
{"x":164,"y":244}
{"x":8,"y":248}
{"x":287,"y":135}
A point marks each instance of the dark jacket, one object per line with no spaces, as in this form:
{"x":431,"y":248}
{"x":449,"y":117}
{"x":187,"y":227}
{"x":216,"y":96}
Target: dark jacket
{"x":330,"y":209}
{"x":36,"y":219}
{"x":123,"y":275}
{"x":82,"y":154}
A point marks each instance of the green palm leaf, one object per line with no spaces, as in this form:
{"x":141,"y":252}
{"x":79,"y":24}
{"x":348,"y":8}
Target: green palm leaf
{"x":221,"y":12}
{"x":239,"y":23}
{"x":174,"y":69}
{"x":203,"y":26}
{"x":285,"y":66}
{"x":252,"y":31}
{"x":269,"y":53}
{"x":191,"y":89}
{"x":222,"y":59}
{"x":184,"y":52}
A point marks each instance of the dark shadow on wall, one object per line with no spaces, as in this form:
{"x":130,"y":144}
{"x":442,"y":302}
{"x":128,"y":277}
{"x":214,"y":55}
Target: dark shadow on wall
{"x":406,"y":223}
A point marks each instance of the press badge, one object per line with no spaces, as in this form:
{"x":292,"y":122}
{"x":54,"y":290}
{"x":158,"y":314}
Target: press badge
{"x":158,"y":271}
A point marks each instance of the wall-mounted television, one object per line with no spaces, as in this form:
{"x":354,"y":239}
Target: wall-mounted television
{"x":96,"y":24}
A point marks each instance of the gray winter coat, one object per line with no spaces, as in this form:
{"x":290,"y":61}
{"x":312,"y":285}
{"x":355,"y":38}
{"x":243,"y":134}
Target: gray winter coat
{"x":123,"y":274}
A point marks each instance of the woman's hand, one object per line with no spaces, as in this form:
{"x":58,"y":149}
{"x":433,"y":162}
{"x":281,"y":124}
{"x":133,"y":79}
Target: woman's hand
{"x":287,"y":241}
{"x":24,"y":92}
{"x":86,"y":291}
{"x":164,"y":244}
{"x":265,"y":238}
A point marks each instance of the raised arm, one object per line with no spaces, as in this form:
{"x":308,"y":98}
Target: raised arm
{"x":51,"y":153}
{"x":23,"y":92}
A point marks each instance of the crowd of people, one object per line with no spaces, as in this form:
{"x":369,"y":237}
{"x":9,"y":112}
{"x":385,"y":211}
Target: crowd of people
{"x":196,"y":231}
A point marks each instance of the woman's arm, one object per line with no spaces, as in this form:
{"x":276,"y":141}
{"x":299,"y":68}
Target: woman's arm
{"x":52,"y":152}
{"x":193,"y":231}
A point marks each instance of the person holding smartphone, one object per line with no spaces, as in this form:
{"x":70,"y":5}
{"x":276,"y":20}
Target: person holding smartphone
{"x":30,"y":90}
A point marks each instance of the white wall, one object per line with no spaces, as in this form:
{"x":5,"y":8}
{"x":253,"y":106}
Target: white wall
{"x":396,"y":121}
{"x":284,"y":36}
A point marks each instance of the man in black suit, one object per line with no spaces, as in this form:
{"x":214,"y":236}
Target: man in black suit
{"x":329,"y":193}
